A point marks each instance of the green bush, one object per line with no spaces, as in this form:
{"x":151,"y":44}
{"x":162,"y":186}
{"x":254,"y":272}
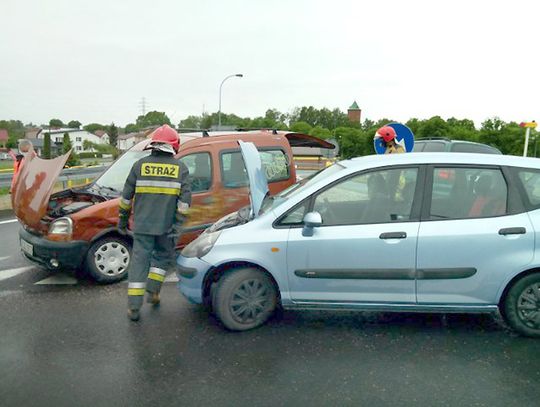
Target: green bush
{"x":90,"y":155}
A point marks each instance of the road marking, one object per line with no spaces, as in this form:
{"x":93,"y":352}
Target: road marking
{"x":5,"y":257}
{"x":9,"y":221}
{"x":5,"y":274}
{"x":58,"y":279}
{"x":171,"y":278}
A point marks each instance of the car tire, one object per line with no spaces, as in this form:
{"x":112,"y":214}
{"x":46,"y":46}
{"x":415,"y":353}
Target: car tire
{"x":107,"y":260}
{"x":244,"y":299}
{"x":522,"y":306}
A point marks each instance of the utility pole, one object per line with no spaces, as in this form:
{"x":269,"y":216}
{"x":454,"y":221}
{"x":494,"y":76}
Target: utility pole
{"x":142,"y":105}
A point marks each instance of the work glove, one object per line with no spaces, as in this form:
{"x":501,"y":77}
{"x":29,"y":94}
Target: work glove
{"x":123,"y":224}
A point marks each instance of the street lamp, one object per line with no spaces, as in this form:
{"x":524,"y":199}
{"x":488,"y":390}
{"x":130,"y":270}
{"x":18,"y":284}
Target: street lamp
{"x":239,"y":75}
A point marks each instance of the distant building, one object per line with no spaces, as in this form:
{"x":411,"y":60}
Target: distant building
{"x":102,"y":134}
{"x":354,"y":113}
{"x":126,"y":141}
{"x":77,"y":137}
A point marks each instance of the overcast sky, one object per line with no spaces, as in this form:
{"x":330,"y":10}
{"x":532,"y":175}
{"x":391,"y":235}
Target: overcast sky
{"x":93,"y":61}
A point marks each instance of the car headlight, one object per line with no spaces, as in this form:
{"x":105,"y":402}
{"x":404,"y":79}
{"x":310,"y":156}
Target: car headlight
{"x":61,"y":226}
{"x":201,"y":246}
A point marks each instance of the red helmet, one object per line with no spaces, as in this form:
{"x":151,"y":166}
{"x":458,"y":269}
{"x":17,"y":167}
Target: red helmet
{"x":387,"y":133}
{"x":166,"y":134}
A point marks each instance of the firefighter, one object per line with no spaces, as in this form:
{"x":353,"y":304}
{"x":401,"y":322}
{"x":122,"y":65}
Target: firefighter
{"x":388,"y":134}
{"x":159,"y":189}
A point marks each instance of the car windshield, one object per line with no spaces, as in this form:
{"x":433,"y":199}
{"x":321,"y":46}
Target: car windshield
{"x":271,"y":202}
{"x":116,"y":175}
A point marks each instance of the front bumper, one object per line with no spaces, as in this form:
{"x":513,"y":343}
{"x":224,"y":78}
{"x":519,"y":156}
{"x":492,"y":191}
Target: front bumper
{"x":69,"y":255}
{"x":191,"y":272}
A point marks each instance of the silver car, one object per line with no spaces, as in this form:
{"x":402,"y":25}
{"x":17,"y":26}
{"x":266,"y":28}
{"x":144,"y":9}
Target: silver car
{"x":428,"y":232}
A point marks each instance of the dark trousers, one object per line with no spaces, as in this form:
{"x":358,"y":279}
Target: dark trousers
{"x":151,"y":257}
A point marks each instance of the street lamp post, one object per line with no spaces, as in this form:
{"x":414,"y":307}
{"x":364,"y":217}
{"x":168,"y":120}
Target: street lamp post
{"x":239,"y":75}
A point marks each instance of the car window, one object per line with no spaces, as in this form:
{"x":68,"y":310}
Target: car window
{"x":296,"y":215}
{"x":433,"y":147}
{"x":233,"y":170}
{"x":531,"y":182}
{"x":275,"y":164}
{"x":200,"y":171}
{"x":459,"y":193}
{"x":418,"y":147}
{"x":374,"y":197}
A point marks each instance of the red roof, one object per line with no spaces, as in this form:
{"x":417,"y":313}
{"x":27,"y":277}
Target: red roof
{"x":100,"y":133}
{"x":4,"y":135}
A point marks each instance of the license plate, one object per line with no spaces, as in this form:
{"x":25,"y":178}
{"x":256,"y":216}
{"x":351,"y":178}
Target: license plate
{"x":27,"y":248}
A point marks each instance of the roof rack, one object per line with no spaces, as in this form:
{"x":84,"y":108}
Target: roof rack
{"x":433,"y":138}
{"x":274,"y":131}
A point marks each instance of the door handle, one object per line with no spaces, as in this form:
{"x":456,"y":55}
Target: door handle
{"x":512,"y":231}
{"x":393,"y":235}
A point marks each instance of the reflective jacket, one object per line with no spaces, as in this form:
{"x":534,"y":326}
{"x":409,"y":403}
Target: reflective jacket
{"x":159,"y":187}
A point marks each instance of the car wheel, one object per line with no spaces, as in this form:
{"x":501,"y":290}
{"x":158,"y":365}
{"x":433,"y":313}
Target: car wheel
{"x":108,"y":259}
{"x":522,"y":306}
{"x":244,"y":299}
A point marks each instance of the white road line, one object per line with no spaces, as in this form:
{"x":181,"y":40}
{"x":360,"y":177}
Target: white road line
{"x":4,"y":258}
{"x":171,"y":278}
{"x":58,"y":279}
{"x":9,"y":221}
{"x":5,"y":274}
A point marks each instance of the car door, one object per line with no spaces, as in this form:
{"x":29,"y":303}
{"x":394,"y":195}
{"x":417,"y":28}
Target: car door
{"x":473,"y":235}
{"x":365,"y":249}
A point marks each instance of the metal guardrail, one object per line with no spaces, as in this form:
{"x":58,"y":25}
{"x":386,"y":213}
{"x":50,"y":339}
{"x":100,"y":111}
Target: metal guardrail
{"x":67,"y":176}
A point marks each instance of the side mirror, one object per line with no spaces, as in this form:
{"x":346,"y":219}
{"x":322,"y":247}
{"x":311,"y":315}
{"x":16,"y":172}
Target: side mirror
{"x":311,"y":220}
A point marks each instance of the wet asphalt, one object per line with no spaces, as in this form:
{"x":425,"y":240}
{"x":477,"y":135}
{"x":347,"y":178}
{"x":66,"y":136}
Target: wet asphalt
{"x":72,"y":345}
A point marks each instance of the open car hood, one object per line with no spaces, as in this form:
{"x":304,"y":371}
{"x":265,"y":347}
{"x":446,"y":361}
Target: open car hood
{"x":258,"y":186}
{"x":305,"y":140}
{"x":34,"y":186}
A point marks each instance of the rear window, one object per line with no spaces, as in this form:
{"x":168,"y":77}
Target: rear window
{"x":433,"y":147}
{"x":473,"y":148}
{"x":233,"y":170}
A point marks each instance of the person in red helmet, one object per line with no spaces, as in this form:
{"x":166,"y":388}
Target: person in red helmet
{"x":159,"y":190}
{"x":388,"y":134}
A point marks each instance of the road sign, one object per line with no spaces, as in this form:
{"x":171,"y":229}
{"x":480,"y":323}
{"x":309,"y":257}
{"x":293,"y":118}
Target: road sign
{"x":528,"y":125}
{"x":404,"y":136}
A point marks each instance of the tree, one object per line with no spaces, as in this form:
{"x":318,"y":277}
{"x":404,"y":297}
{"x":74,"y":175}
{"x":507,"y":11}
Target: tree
{"x":190,"y":122}
{"x":113,"y":135}
{"x":92,"y":127}
{"x":301,"y":127}
{"x":74,"y":124}
{"x":15,"y":130}
{"x":131,"y":128}
{"x":153,"y":118}
{"x":66,"y":146}
{"x":47,"y":146}
{"x":56,"y":123}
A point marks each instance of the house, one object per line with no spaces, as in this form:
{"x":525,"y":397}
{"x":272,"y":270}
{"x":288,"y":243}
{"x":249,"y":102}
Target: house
{"x":102,"y":134}
{"x":126,"y":141}
{"x":77,"y":137}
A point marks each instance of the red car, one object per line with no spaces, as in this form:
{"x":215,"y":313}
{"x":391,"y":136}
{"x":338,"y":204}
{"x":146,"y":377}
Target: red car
{"x":76,"y":228}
